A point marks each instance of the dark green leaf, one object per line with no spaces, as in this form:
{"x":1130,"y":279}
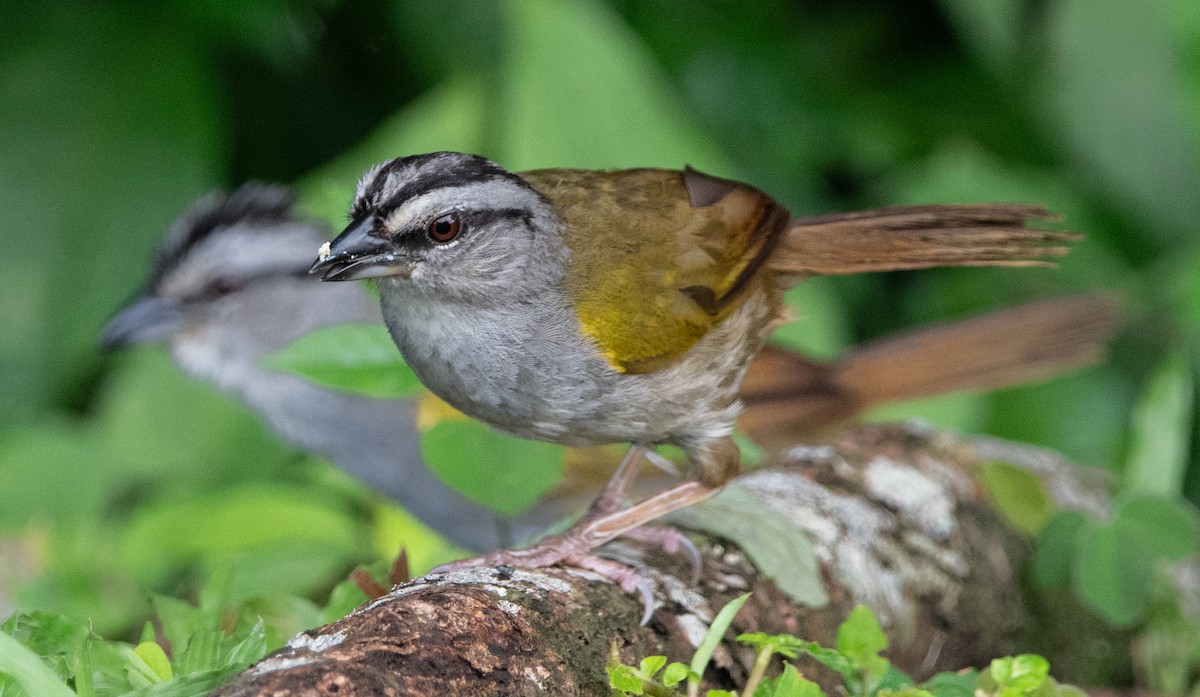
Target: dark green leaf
{"x":1112,"y":573}
{"x":358,"y":358}
{"x":1057,"y":547}
{"x":505,"y":473}
{"x":1168,"y":526}
{"x":790,"y":683}
{"x":952,"y":684}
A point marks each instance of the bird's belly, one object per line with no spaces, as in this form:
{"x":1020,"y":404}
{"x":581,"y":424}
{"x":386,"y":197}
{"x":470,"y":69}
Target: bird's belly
{"x":533,"y":374}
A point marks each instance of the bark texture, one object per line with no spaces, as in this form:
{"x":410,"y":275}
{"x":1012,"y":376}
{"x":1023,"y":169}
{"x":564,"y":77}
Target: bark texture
{"x":896,"y":519}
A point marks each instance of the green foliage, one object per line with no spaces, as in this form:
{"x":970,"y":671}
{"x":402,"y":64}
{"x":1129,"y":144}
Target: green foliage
{"x":358,"y":358}
{"x":865,"y":673}
{"x":518,"y":471}
{"x":1110,"y":564}
{"x":51,"y":654}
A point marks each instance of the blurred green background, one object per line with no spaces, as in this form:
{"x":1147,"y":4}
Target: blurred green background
{"x":119,"y":477}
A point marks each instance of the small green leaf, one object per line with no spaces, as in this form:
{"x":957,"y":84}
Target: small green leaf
{"x":651,"y":665}
{"x":860,"y":637}
{"x":504,"y":473}
{"x":1161,"y":431}
{"x":1168,"y":526}
{"x":358,"y":358}
{"x":1057,"y":547}
{"x":1112,"y":573}
{"x":675,"y":673}
{"x":1018,"y":495}
{"x":625,"y":679}
{"x":155,"y":658}
{"x":790,"y":683}
{"x":1024,"y":673}
{"x":713,"y":636}
{"x":832,"y":659}
{"x":782,"y":644}
{"x":952,"y":684}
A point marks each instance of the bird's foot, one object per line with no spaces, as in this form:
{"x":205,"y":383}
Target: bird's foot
{"x":571,"y":549}
{"x":574,"y":548}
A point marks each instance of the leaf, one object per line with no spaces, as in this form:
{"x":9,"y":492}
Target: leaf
{"x":1112,"y":573}
{"x":777,"y":547}
{"x":27,"y":668}
{"x":860,"y":637}
{"x":155,"y":659}
{"x":832,"y":659}
{"x":625,"y":679}
{"x":1161,"y":430}
{"x":358,"y":358}
{"x":675,"y":673}
{"x":1057,"y":547}
{"x":1168,"y":526}
{"x":504,"y":473}
{"x":1018,"y":495}
{"x":1024,"y":673}
{"x":790,"y":683}
{"x":712,"y":637}
{"x":782,"y":644}
{"x":651,"y":665}
{"x":252,"y":518}
{"x":568,"y":64}
{"x":952,"y":684}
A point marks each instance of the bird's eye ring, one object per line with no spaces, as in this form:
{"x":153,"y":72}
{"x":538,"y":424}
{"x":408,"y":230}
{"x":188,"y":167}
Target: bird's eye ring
{"x":445,"y":228}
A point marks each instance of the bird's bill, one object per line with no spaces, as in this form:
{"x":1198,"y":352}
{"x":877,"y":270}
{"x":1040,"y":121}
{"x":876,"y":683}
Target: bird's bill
{"x":148,"y":319}
{"x":357,"y":254}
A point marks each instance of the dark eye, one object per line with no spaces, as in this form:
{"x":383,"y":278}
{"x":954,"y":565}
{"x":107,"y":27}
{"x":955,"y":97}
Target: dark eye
{"x":445,"y":228}
{"x":222,"y":286}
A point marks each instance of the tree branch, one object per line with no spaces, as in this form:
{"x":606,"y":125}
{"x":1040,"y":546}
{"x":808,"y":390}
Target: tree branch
{"x":896,"y":519}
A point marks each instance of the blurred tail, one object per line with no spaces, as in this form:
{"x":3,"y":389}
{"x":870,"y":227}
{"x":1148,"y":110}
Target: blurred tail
{"x":917,"y":237}
{"x":788,"y":396}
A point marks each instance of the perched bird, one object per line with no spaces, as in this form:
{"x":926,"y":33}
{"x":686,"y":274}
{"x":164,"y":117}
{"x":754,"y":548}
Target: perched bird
{"x":229,"y":286}
{"x":587,"y":307}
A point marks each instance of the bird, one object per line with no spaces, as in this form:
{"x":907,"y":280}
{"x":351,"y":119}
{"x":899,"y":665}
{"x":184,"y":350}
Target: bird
{"x":222,"y":307}
{"x":229,"y":285}
{"x":589,"y":307}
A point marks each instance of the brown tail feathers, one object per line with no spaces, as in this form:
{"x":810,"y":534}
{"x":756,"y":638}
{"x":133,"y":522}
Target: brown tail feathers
{"x":917,"y":237}
{"x":788,"y":396}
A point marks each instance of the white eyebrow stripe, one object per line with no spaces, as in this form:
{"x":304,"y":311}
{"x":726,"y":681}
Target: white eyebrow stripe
{"x":492,"y":194}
